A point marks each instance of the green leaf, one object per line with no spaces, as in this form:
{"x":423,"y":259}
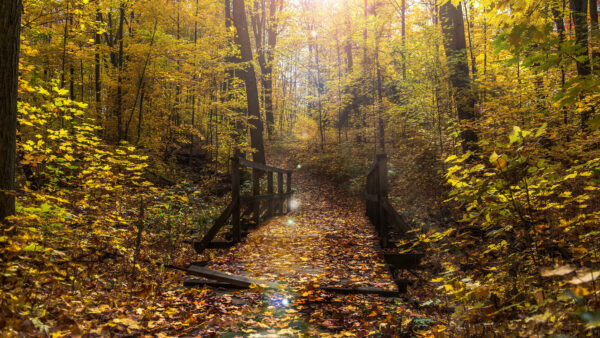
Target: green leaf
{"x":33,"y":247}
{"x":515,"y":135}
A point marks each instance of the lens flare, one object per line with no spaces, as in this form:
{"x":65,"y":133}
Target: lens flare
{"x":279,"y":301}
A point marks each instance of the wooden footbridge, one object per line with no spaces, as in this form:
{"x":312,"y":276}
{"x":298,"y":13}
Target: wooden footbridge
{"x":248,"y":209}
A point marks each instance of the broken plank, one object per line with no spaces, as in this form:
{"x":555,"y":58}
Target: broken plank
{"x":236,"y":280}
{"x":192,"y":283}
{"x":361,"y":291}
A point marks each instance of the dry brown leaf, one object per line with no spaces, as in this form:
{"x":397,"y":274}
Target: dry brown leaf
{"x":558,"y":271}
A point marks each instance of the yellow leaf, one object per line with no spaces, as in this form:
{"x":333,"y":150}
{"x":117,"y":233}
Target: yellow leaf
{"x":128,"y":322}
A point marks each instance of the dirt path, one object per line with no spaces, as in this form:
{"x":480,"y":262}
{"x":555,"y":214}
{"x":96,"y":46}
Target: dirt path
{"x":326,"y":241}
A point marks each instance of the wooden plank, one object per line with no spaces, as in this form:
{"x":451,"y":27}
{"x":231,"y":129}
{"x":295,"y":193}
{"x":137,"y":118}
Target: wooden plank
{"x":280,"y":192}
{"x":371,"y":198}
{"x":289,"y":191}
{"x":235,"y":198}
{"x":361,"y":291}
{"x":214,"y":230}
{"x":270,"y":203}
{"x":236,"y":280}
{"x":371,"y":169}
{"x":382,"y":168}
{"x":260,"y":166}
{"x":408,"y":261}
{"x":193,"y":283}
{"x":393,"y":217}
{"x":249,"y":199}
{"x":256,"y":192}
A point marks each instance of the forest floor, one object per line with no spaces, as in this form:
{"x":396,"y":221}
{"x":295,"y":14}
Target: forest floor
{"x":326,"y":242}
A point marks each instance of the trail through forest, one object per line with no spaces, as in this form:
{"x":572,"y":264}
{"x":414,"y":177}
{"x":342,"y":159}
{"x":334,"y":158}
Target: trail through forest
{"x":328,"y":242}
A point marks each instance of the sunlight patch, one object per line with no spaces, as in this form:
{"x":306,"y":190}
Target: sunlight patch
{"x":294,"y":204}
{"x":290,"y":221}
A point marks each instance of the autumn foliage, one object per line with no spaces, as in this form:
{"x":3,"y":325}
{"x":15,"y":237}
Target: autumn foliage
{"x":130,"y":111}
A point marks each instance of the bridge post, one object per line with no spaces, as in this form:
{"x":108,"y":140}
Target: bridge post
{"x":280,"y":192}
{"x":289,"y":190}
{"x":382,"y":191}
{"x":256,"y":192}
{"x":270,"y":192}
{"x":235,"y":198}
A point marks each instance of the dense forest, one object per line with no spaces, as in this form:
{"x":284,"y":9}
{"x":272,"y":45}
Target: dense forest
{"x":127,"y":127}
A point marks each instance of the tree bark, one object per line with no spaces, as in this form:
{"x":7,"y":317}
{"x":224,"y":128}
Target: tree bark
{"x":579,"y":14}
{"x":403,"y":12}
{"x":265,"y":35}
{"x":595,"y":31}
{"x":249,"y":77}
{"x":560,"y":28}
{"x":348,"y":45}
{"x":455,"y":45}
{"x":10,"y":22}
{"x":119,"y":110}
{"x":97,"y":83}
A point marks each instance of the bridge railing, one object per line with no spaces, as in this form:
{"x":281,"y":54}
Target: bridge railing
{"x":379,"y":209}
{"x":258,"y":205}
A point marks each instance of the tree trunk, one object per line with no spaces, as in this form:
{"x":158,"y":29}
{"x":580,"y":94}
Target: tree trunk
{"x":119,"y":110}
{"x":379,"y":92}
{"x":455,"y":45}
{"x":560,"y":28}
{"x":469,"y":26}
{"x":348,"y":47}
{"x":249,"y":77}
{"x":97,"y":83}
{"x":579,"y":13}
{"x":403,"y":12}
{"x":595,"y":31}
{"x":265,"y":35}
{"x":10,"y":22}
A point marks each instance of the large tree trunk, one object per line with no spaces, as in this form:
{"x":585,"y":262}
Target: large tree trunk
{"x":249,"y":77}
{"x":455,"y":45}
{"x":265,"y":35}
{"x":579,"y":13}
{"x":10,"y":21}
